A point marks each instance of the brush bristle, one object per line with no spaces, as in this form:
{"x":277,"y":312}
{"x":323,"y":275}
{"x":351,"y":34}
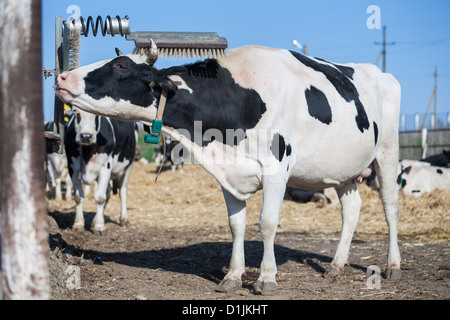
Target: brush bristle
{"x":193,"y":53}
{"x":198,"y":53}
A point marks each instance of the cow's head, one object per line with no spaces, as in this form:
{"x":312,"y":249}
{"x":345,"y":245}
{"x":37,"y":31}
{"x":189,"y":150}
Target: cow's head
{"x":403,"y":172}
{"x":87,"y":125}
{"x":124,"y":88}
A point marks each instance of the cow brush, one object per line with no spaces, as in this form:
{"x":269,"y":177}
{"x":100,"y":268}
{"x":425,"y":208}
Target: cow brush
{"x":200,"y":45}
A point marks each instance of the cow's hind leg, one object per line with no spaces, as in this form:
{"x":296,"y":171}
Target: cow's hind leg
{"x":350,"y":207}
{"x":237,"y":220}
{"x":273,"y":194}
{"x":386,"y":166}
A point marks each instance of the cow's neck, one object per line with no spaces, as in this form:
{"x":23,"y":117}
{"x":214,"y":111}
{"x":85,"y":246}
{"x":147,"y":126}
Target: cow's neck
{"x":210,"y":105}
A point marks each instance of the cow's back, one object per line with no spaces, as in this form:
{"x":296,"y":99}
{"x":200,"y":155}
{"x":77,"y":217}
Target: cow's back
{"x":335,"y":115}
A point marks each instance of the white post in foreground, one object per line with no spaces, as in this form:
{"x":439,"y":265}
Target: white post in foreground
{"x":24,"y":236}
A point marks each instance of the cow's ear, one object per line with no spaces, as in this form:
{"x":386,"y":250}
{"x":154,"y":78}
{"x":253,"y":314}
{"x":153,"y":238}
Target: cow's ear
{"x":166,"y":82}
{"x":407,"y":169}
{"x":161,"y":77}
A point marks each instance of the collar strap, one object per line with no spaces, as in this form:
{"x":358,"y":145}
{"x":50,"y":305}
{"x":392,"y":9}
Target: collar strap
{"x":155,"y":131}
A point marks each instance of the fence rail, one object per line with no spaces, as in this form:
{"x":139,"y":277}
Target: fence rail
{"x":418,"y":144}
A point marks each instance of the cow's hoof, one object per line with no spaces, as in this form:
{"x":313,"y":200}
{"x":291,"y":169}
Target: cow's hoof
{"x":78,"y":227}
{"x":265,"y":288}
{"x":124,"y":222}
{"x":334,"y":272}
{"x":394,"y":274}
{"x":99,"y":232}
{"x":228,"y":285}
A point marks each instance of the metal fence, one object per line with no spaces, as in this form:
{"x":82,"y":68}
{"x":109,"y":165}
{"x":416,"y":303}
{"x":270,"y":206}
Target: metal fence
{"x":421,"y":136}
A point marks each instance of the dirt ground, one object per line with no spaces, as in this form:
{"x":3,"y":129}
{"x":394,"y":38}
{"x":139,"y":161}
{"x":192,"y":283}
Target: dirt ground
{"x":178,"y":246}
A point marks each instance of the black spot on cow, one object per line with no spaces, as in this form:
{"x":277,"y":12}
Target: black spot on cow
{"x":288,"y":150}
{"x":318,"y":106}
{"x":439,"y":171}
{"x":415,"y":191}
{"x":217,"y":101}
{"x":348,"y":71}
{"x":375,"y":131}
{"x":341,"y":81}
{"x":278,"y":146}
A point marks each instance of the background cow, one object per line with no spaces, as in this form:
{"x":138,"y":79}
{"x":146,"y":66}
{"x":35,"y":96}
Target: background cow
{"x":440,"y":160}
{"x":419,"y":177}
{"x":323,"y":197}
{"x":264,"y":118}
{"x":175,"y":161}
{"x":56,"y":168}
{"x":100,"y":149}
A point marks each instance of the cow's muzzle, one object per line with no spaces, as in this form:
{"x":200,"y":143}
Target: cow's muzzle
{"x":63,"y":86}
{"x":86,"y":138}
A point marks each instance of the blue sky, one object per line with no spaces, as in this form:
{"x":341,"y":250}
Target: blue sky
{"x":332,"y":30}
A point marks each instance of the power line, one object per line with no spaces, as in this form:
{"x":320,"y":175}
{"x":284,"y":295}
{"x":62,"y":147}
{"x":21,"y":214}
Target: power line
{"x":422,"y":46}
{"x":409,"y":25}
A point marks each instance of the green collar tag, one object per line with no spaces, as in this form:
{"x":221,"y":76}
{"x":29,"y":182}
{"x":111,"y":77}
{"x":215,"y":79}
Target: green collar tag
{"x":153,"y":136}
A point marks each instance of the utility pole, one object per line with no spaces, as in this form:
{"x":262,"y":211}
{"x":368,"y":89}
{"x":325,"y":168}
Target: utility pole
{"x":383,"y":51}
{"x":435,"y":89}
{"x":433,"y":96}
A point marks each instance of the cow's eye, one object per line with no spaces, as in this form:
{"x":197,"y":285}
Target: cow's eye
{"x":120,"y":66}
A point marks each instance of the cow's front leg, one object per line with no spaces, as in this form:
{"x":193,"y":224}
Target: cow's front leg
{"x":79,"y":198}
{"x":350,"y":207}
{"x":273,"y":193}
{"x":123,"y":185}
{"x":68,"y":180}
{"x":237,"y":221}
{"x":101,"y":196}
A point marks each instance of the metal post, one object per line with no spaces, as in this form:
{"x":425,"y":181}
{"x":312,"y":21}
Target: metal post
{"x":58,"y":117}
{"x":433,"y":121}
{"x":24,"y":250}
{"x":424,"y":143}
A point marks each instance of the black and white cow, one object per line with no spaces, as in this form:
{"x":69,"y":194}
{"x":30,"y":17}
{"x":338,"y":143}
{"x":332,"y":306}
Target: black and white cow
{"x":264,"y":118}
{"x":419,"y":177}
{"x":99,"y":149}
{"x":56,"y":168}
{"x":440,"y":160}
